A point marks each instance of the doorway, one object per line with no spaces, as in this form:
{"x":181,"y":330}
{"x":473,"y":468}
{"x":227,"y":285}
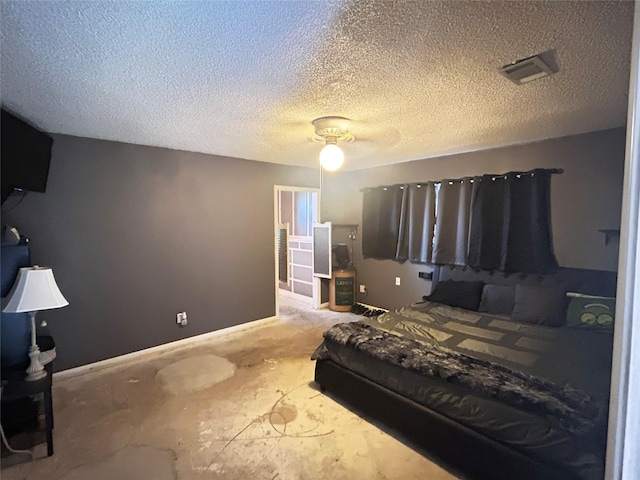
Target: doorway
{"x":295,"y":211}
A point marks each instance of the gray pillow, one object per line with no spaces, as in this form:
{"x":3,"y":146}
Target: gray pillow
{"x":457,"y":294}
{"x":539,"y":305}
{"x":497,"y":299}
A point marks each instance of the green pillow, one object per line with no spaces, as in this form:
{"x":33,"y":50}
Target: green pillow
{"x":586,"y":311}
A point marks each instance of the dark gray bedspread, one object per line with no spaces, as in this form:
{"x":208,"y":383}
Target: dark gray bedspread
{"x":543,"y":390}
{"x":580,"y":358}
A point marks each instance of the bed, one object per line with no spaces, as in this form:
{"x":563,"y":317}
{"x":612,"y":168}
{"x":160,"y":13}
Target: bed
{"x":494,"y":375}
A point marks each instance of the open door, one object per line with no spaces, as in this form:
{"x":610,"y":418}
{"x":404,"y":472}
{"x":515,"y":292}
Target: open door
{"x":296,"y":212}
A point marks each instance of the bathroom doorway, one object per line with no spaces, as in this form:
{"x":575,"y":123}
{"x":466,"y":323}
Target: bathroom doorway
{"x":296,"y":210}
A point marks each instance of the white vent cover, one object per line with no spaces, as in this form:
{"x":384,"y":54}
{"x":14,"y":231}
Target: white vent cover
{"x":526,"y":70}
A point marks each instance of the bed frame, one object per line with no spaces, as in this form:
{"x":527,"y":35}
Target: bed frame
{"x":462,"y":450}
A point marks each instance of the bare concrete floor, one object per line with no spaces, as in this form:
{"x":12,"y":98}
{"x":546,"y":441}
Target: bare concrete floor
{"x":240,"y":406}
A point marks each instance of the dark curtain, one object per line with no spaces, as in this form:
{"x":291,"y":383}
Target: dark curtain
{"x":485,"y":237}
{"x":511,"y":223}
{"x":417,"y":240}
{"x":383,"y":223}
{"x":453,"y":214}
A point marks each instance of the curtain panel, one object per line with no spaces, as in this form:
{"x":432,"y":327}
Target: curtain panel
{"x":421,"y":220}
{"x":486,"y":227}
{"x":384,"y":214}
{"x":451,"y":242}
{"x":511,"y":223}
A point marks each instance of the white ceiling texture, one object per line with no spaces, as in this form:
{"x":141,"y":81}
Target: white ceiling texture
{"x":245,"y":79}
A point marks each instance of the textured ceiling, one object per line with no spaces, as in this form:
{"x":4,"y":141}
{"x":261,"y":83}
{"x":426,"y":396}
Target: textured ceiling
{"x":245,"y":79}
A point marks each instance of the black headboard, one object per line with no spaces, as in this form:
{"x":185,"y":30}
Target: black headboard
{"x":589,"y":282}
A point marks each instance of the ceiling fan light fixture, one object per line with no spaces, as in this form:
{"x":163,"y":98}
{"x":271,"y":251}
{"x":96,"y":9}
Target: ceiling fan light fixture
{"x":331,"y":130}
{"x":331,"y":157}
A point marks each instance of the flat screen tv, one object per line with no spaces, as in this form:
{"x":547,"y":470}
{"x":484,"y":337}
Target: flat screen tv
{"x":25,"y":156}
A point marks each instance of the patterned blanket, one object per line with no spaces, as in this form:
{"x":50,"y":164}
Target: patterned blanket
{"x":570,"y":408}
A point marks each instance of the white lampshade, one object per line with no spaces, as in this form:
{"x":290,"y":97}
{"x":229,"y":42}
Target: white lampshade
{"x":35,"y":289}
{"x":331,"y":157}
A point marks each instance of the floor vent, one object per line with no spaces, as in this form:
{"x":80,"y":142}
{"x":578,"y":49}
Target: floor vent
{"x":526,"y":70}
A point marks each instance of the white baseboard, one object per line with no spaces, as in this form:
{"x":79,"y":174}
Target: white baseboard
{"x":185,"y":342}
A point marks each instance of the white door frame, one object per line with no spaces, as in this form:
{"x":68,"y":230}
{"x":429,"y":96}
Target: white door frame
{"x":316,"y":281}
{"x":624,"y":408}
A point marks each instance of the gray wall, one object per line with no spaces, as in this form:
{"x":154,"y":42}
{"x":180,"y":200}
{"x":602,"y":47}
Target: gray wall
{"x":586,"y":198}
{"x":136,"y":234}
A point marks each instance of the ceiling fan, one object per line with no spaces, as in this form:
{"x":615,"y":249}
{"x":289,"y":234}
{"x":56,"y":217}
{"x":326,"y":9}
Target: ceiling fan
{"x":330,"y":131}
{"x":355,"y":139}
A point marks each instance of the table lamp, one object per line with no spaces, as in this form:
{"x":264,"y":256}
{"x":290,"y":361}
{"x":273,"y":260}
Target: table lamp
{"x":35,"y":289}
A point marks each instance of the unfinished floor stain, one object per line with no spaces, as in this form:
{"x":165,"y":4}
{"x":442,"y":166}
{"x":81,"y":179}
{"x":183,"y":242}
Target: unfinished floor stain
{"x":195,"y":373}
{"x":268,"y":421}
{"x":135,"y":462}
{"x":283,"y":414}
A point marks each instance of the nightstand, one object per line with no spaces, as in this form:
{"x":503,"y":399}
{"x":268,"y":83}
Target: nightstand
{"x":15,"y":388}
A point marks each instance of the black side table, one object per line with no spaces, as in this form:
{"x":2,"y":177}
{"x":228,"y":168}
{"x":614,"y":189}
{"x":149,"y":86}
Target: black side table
{"x":15,"y":387}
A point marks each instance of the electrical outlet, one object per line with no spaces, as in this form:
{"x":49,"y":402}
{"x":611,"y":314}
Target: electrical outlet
{"x":363,"y":289}
{"x":398,"y":281}
{"x":181,"y":318}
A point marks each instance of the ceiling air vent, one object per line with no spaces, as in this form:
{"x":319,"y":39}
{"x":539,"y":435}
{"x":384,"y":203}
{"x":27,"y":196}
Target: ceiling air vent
{"x":526,"y":70}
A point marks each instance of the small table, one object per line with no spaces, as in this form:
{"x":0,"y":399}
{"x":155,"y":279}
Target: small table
{"x":15,"y":387}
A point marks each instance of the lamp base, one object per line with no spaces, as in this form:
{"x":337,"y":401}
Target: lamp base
{"x":35,"y":371}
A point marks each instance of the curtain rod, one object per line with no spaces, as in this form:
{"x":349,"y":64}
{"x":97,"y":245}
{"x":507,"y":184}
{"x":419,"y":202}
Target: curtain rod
{"x":528,"y":172}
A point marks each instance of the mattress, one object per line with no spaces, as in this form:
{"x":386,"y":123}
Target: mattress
{"x":540,"y":390}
